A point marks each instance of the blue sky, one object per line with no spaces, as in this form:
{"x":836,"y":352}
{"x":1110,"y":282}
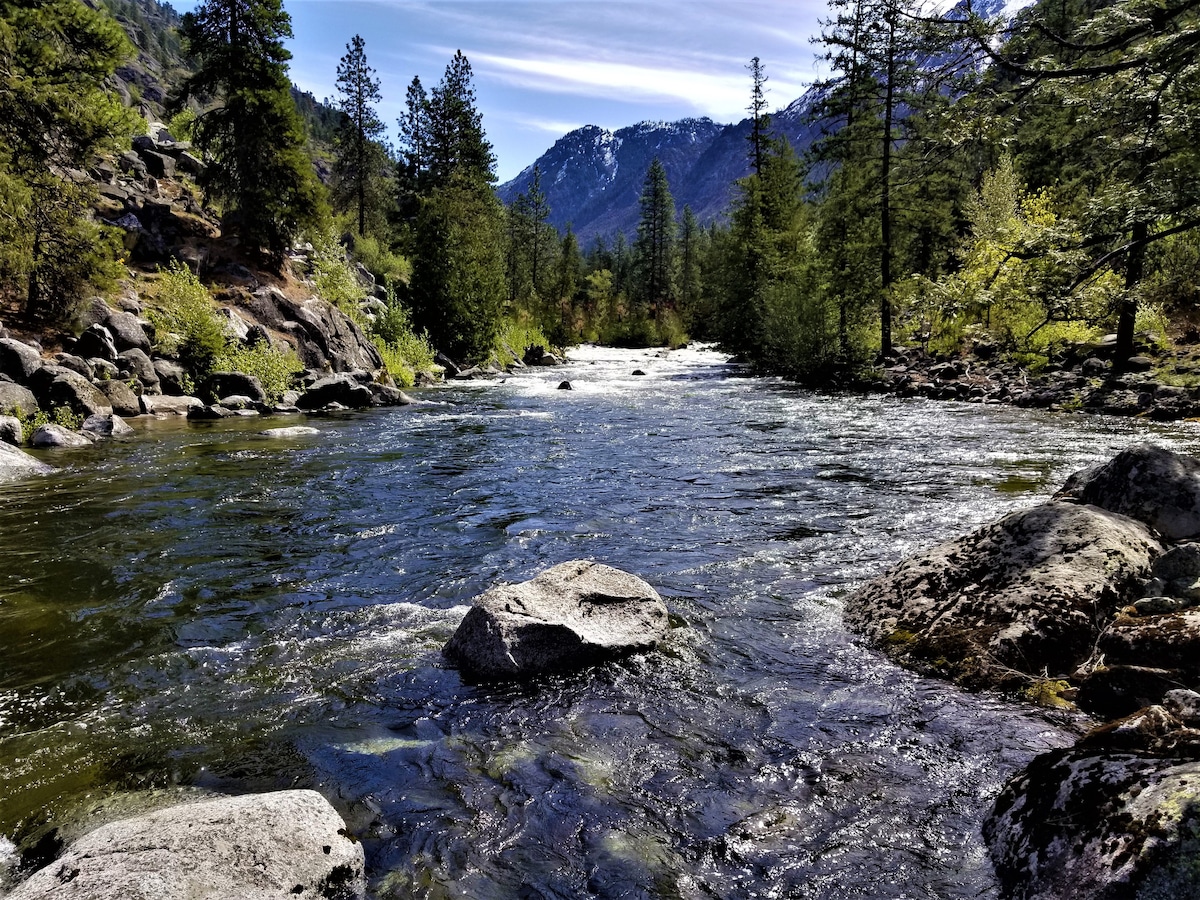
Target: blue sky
{"x":545,"y":67}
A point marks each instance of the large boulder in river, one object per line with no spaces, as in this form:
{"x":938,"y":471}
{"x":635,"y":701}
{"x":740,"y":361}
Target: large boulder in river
{"x":571,"y":616}
{"x":274,"y":846}
{"x":1029,"y":594}
{"x":1088,"y":824}
{"x":344,"y":389}
{"x":1148,"y":483}
{"x":16,"y":463}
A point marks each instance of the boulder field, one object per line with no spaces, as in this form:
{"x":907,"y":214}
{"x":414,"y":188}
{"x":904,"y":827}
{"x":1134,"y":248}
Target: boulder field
{"x":112,"y":371}
{"x":1090,"y":599}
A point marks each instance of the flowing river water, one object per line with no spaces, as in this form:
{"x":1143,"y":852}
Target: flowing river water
{"x":203,"y":608}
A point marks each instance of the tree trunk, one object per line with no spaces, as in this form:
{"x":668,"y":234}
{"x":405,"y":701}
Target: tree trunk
{"x":885,"y":211}
{"x":1134,"y":267}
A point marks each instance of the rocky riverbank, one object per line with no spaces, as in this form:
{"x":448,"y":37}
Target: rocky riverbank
{"x":1159,"y":383}
{"x":1091,"y":600}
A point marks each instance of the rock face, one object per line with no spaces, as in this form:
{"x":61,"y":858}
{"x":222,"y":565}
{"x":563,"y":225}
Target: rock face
{"x":16,"y":464}
{"x":325,"y":337}
{"x":1087,"y":825}
{"x":1148,"y":483}
{"x":290,"y":844}
{"x":571,"y":616}
{"x":1027,"y":593}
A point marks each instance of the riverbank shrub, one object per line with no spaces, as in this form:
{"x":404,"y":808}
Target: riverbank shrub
{"x":275,"y":369}
{"x":185,"y":324}
{"x":404,"y":352}
{"x":59,"y":415}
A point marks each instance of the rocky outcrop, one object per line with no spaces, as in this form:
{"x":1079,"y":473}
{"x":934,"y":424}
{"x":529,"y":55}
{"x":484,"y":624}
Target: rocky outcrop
{"x":325,"y":338}
{"x":289,"y":844}
{"x":16,"y":464}
{"x":571,"y":616}
{"x":1078,"y":595}
{"x":1084,"y":824}
{"x":1021,"y":597}
{"x":1148,"y":483}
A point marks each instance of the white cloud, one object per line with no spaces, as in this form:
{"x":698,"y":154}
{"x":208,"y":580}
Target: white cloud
{"x":722,"y":95}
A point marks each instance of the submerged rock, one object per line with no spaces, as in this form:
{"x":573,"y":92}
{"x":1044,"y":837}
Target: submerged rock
{"x":571,"y":616}
{"x":1027,"y":594}
{"x":293,"y":431}
{"x":51,"y":436}
{"x":260,"y":847}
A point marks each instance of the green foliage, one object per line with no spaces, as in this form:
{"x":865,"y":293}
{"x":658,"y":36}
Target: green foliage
{"x":59,"y":415}
{"x":333,"y":275}
{"x":390,"y":269}
{"x":182,"y":125}
{"x":274,"y":368}
{"x":404,"y":352}
{"x":185,"y":323}
{"x":55,"y":115}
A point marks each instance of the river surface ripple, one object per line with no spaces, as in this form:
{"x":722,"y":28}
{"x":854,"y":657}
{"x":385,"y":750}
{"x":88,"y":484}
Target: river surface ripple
{"x":208,"y":608}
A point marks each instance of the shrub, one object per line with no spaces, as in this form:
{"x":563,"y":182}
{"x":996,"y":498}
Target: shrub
{"x":334,"y":278}
{"x":275,"y":369}
{"x":60,"y":415}
{"x":404,"y":352}
{"x":185,"y":324}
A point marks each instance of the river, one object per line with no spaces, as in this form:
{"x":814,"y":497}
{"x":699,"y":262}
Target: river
{"x":204,"y":608}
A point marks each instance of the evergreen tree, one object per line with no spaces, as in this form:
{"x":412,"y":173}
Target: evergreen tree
{"x":459,"y":234}
{"x":253,"y":136}
{"x":691,"y":285}
{"x":654,"y":250}
{"x":55,"y":114}
{"x":413,"y":166}
{"x":760,"y":122}
{"x":359,"y":155}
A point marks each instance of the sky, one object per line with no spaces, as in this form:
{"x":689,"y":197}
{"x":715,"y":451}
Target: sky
{"x":545,"y":67}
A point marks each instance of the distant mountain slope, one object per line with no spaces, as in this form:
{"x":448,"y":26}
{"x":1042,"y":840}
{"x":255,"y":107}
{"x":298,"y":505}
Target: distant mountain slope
{"x":593,"y":178}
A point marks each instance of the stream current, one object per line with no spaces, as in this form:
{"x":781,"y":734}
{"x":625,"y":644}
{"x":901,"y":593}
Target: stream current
{"x":201,"y":608}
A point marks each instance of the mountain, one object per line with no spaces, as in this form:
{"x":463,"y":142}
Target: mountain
{"x":592,"y":177}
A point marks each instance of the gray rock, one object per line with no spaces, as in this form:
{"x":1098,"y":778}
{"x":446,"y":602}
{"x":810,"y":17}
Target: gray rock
{"x":225,"y":384}
{"x":259,"y":847}
{"x":11,"y":432}
{"x":51,"y":436}
{"x":17,"y":400}
{"x":168,"y":405}
{"x":124,"y":401}
{"x":95,"y":312}
{"x":1179,"y":563}
{"x":389,"y":395}
{"x":138,"y":364}
{"x":158,"y":164}
{"x":103,"y":369}
{"x":19,"y":360}
{"x":1184,"y":704}
{"x":325,"y":337}
{"x":1026,"y":594}
{"x":189,"y":163}
{"x":96,"y":341}
{"x":571,"y":616}
{"x":75,"y":364}
{"x":1147,"y":483}
{"x":72,"y":390}
{"x":294,"y":431}
{"x":16,"y":464}
{"x":172,"y":377}
{"x":236,"y":328}
{"x":106,"y":426}
{"x":127,"y":331}
{"x":1088,"y":825}
{"x":343,"y":389}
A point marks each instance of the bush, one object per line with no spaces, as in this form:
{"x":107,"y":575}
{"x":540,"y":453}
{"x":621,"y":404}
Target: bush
{"x":185,"y":324}
{"x":390,"y":269}
{"x":60,"y":415}
{"x":275,"y":369}
{"x":404,"y":351}
{"x":334,"y":278}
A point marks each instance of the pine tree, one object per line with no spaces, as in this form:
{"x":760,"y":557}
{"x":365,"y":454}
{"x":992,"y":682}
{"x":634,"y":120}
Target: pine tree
{"x":253,"y":136}
{"x":359,"y":155}
{"x":55,"y":114}
{"x":654,"y":249}
{"x":412,"y":169}
{"x":459,"y":234}
{"x":760,"y":122}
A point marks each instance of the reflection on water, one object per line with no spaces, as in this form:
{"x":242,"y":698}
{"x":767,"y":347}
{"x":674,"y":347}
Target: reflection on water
{"x":204,"y":607}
